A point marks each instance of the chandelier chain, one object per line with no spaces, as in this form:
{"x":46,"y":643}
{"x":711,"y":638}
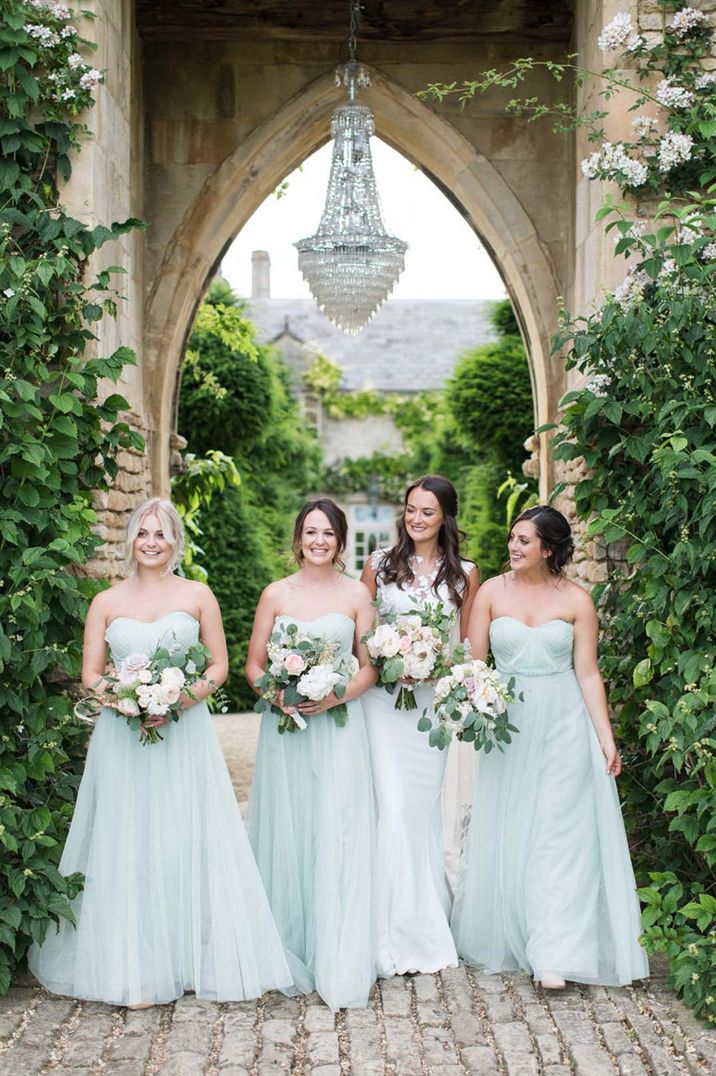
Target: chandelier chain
{"x":351,"y":264}
{"x":354,"y":27}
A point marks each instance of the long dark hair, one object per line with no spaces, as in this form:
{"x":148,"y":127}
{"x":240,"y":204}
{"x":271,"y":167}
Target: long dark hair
{"x":395,"y":566}
{"x":554,"y":533}
{"x":336,"y":517}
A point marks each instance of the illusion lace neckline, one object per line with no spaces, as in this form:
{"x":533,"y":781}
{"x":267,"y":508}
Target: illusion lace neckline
{"x":424,"y":582}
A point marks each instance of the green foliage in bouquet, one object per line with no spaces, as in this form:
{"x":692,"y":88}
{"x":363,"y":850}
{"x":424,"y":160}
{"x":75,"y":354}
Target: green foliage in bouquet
{"x":57,"y":446}
{"x":321,"y":663}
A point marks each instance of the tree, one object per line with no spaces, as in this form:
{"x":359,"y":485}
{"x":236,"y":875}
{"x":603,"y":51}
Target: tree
{"x":489,"y":399}
{"x":236,"y":397}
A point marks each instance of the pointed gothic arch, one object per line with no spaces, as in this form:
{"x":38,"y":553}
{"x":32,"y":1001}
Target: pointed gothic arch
{"x":248,"y":175}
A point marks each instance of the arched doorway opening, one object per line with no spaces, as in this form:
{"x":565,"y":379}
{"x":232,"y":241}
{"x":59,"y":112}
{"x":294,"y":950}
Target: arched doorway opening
{"x":248,"y":175}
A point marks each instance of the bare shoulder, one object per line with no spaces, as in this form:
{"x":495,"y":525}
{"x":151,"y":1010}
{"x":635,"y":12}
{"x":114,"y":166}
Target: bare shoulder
{"x":274,"y":592}
{"x":358,"y":590}
{"x":491,"y":587}
{"x":195,"y":592}
{"x":107,"y":599}
{"x":579,"y":599}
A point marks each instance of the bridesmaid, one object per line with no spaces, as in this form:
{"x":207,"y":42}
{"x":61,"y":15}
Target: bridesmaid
{"x":548,"y":884}
{"x":311,"y":813}
{"x":172,"y":898}
{"x":411,"y":890}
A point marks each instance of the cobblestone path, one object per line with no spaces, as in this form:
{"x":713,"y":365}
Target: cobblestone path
{"x":457,"y":1022}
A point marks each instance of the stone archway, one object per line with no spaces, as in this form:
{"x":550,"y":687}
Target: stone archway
{"x":248,"y":175}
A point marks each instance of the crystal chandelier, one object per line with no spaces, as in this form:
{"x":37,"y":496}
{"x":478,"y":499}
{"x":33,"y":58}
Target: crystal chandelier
{"x":351,"y":264}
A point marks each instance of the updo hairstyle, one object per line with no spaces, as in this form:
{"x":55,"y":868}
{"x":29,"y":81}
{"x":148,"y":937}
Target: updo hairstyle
{"x":336,"y":517}
{"x":554,"y":534}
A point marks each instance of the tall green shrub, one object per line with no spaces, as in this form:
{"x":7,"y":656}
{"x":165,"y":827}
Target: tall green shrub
{"x":645,"y":423}
{"x":57,"y":446}
{"x":489,"y":400}
{"x":236,"y":396}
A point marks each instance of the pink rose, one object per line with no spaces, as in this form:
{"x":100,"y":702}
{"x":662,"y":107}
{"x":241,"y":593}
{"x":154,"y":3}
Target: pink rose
{"x":405,"y":643}
{"x":294,"y":664}
{"x":130,"y":670}
{"x":171,"y":694}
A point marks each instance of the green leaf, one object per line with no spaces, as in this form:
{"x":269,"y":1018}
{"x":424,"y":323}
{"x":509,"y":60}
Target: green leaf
{"x":643,"y":673}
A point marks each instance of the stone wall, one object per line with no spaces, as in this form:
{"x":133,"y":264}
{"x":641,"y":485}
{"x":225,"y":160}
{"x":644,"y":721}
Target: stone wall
{"x":193,"y":134}
{"x":106,"y":186}
{"x":226,"y":120}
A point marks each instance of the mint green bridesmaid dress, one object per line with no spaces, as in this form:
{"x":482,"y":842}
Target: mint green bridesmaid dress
{"x":311,"y":823}
{"x":547,"y":885}
{"x":172,"y":899}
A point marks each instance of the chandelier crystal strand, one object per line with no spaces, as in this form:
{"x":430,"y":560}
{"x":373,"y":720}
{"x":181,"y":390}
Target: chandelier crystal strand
{"x":351,"y":264}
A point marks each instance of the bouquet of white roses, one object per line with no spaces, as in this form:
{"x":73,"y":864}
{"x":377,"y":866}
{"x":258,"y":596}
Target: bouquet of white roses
{"x":146,"y":689}
{"x":409,"y":646}
{"x":471,"y":703}
{"x":303,"y":667}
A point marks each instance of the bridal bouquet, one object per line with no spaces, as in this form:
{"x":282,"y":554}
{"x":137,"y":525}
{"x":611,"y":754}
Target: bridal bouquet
{"x":409,"y":646}
{"x":303,"y":667}
{"x":146,"y":689}
{"x":470,"y":702}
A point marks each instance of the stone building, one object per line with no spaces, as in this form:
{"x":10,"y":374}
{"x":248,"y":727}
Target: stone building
{"x":411,"y":345}
{"x":208,"y":106}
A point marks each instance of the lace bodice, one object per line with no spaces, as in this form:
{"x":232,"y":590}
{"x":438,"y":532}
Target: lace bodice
{"x":421,"y":589}
{"x":538,"y":651}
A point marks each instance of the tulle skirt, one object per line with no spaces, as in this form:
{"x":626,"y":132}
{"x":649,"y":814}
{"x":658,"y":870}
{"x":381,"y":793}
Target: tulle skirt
{"x":172,"y":900}
{"x":412,"y":896}
{"x":548,"y":883}
{"x":311,"y":823}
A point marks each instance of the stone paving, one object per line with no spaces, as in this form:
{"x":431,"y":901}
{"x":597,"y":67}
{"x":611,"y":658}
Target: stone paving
{"x":457,"y":1022}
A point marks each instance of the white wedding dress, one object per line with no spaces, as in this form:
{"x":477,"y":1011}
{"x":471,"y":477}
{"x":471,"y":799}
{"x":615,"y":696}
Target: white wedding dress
{"x":412,"y":895}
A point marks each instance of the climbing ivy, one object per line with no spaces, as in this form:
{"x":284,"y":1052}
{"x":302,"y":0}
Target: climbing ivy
{"x":645,"y":425}
{"x":59,"y":435}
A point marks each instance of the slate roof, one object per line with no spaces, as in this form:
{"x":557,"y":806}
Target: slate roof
{"x":409,"y":345}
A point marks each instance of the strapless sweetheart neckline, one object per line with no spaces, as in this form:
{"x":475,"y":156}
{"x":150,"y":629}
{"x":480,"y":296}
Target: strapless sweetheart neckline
{"x":315,"y":619}
{"x":135,"y":620}
{"x":534,"y":627}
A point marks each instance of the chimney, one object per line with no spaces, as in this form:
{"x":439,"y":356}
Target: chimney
{"x":260,"y":275}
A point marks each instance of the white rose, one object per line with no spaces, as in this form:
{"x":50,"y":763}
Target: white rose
{"x":172,"y":677}
{"x":159,"y":702}
{"x":318,"y":682}
{"x":443,"y":687}
{"x":145,"y":693}
{"x":128,"y":707}
{"x":385,"y":642}
{"x":417,"y":669}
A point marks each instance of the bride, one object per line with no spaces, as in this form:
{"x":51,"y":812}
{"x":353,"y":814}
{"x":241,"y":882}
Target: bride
{"x":411,"y":890}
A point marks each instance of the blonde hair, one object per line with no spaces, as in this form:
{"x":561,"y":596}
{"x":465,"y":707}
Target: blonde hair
{"x":172,"y":527}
